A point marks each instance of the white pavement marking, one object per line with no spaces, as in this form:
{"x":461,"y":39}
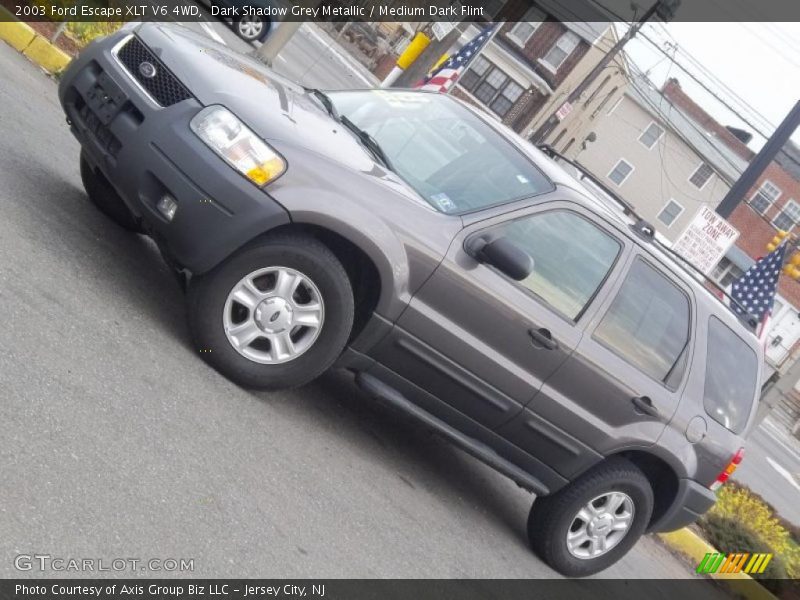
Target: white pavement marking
{"x":213,"y":34}
{"x":775,"y":434}
{"x":783,"y":472}
{"x":345,"y":60}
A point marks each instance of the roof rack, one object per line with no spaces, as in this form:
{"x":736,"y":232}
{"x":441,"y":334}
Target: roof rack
{"x":647,"y":232}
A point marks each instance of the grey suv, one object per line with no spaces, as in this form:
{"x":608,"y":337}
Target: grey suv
{"x":464,"y":276}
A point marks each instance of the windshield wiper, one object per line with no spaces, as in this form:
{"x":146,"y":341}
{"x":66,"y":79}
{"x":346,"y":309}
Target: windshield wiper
{"x":362,"y":135}
{"x":367,"y":140}
{"x":326,"y":102}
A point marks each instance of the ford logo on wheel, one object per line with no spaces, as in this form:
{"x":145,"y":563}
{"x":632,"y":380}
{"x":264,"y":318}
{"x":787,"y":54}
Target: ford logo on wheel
{"x":148,"y":70}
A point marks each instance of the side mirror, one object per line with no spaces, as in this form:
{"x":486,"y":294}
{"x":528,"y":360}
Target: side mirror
{"x":504,"y":255}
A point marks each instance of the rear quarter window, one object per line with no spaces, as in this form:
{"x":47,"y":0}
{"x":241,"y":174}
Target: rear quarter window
{"x":731,"y":377}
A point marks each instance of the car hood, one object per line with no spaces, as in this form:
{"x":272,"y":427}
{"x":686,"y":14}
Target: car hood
{"x":277,"y":109}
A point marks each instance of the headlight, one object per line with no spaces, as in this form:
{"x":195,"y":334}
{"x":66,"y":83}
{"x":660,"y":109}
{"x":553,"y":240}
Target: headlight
{"x":237,"y":145}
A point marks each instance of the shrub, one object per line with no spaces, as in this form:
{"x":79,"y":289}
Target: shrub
{"x":728,"y":535}
{"x":83,"y":33}
{"x":745,"y":513}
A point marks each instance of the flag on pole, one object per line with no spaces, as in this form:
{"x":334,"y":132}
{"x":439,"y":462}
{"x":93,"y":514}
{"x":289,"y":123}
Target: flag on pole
{"x":755,"y":290}
{"x":442,"y":78}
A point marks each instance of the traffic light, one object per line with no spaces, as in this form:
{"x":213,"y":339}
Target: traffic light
{"x":776,"y":241}
{"x":792,"y":266}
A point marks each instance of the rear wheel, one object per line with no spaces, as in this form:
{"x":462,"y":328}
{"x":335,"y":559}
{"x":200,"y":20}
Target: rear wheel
{"x":275,"y":315}
{"x":106,"y":198}
{"x":594,"y":521}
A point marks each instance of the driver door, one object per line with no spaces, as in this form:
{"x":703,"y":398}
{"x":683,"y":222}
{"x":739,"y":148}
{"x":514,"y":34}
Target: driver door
{"x":483,"y":343}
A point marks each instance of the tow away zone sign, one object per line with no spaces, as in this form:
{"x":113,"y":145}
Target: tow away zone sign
{"x":706,"y":240}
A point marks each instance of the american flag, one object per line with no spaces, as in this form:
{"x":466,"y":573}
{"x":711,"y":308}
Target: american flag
{"x":755,"y":290}
{"x":445,"y":75}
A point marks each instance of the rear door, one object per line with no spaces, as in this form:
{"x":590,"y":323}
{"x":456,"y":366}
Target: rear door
{"x":623,"y":383}
{"x":482,"y":343}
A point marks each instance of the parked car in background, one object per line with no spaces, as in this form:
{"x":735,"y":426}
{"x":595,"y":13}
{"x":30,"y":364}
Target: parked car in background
{"x":463,"y":276}
{"x":249,"y":27}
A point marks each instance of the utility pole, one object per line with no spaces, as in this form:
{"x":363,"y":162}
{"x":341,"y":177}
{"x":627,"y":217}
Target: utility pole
{"x":665,"y":9}
{"x":281,"y":35}
{"x":759,"y":164}
{"x":276,"y":40}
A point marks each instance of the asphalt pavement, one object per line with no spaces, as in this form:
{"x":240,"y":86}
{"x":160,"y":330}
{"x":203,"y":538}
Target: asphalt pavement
{"x":312,"y":57}
{"x":117,"y":440}
{"x":771,"y":467}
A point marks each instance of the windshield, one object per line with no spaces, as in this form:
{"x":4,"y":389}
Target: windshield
{"x":448,"y":155}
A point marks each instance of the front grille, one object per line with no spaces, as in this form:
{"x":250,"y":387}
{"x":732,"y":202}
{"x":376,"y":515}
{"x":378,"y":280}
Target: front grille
{"x":164,"y":87}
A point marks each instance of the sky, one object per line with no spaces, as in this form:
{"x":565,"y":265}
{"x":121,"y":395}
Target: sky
{"x":759,"y":62}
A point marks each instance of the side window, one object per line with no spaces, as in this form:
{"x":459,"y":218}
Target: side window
{"x":647,"y":324}
{"x":571,"y":256}
{"x":731,"y":377}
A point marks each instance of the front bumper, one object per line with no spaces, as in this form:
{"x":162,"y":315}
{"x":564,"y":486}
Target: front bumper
{"x":691,"y":502}
{"x":147,"y":150}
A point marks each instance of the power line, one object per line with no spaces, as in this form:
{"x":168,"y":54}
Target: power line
{"x":720,"y":100}
{"x":717,"y":81}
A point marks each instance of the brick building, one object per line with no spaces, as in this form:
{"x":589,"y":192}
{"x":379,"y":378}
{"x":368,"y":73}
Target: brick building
{"x":530,"y":66}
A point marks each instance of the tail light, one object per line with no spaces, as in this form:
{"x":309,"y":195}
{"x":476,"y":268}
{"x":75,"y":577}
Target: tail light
{"x":732,"y":466}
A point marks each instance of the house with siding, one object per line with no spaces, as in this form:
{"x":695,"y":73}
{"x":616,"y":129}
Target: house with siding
{"x":657,"y":157}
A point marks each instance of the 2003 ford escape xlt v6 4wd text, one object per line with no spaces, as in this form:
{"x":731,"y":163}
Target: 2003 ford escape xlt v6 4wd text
{"x":463,"y":275}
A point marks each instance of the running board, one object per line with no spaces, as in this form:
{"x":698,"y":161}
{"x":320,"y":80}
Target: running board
{"x":374,"y":386}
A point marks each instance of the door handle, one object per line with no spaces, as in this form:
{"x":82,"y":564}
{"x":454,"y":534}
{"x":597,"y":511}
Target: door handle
{"x":542,"y":338}
{"x":643,"y":404}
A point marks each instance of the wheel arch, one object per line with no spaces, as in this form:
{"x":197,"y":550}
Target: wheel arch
{"x":663,"y":478}
{"x":366,"y":277}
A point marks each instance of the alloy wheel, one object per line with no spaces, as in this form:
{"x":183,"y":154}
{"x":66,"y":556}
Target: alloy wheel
{"x":600,"y":525}
{"x":273,"y":315}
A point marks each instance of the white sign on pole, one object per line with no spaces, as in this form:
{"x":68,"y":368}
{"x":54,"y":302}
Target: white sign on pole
{"x":706,"y":240}
{"x":563,"y":111}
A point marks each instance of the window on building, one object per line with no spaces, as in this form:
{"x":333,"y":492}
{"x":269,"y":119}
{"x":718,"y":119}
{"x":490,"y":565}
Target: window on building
{"x":670,"y":212}
{"x":621,"y":171}
{"x":725,"y":273}
{"x":647,"y":325}
{"x":597,"y":90}
{"x":566,"y":275}
{"x":563,"y":47}
{"x":558,"y":138}
{"x":605,"y":100}
{"x":766,"y":195}
{"x":477,"y":69}
{"x":651,"y":135}
{"x":731,"y":377}
{"x":521,"y":32}
{"x":788,"y":217}
{"x":568,"y":145}
{"x":491,"y":86}
{"x":701,"y":175}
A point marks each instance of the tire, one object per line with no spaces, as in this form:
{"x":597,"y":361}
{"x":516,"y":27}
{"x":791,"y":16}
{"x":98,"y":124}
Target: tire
{"x":106,"y":198}
{"x":215,"y":312}
{"x":251,"y":29}
{"x":553,"y":517}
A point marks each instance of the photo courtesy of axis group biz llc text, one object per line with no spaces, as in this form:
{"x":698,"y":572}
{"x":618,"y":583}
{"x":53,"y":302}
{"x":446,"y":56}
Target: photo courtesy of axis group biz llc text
{"x":399,"y":299}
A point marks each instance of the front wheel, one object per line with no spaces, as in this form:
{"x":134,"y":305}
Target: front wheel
{"x":275,"y":315}
{"x":594,"y":521}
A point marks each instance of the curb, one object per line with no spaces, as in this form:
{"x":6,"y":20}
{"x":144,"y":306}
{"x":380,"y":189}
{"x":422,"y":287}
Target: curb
{"x":36,"y":48}
{"x":692,"y":545}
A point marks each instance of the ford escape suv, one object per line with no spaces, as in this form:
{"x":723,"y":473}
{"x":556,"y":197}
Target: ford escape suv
{"x":461,"y":274}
